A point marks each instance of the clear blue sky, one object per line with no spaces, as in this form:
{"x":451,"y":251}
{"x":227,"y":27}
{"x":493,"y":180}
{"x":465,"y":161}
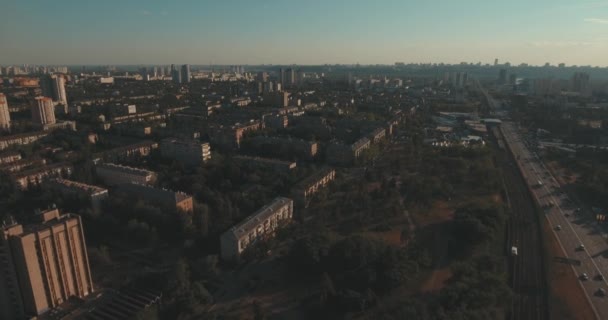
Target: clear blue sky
{"x":303,"y":31}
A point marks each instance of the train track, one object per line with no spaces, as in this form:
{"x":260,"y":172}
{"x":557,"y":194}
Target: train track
{"x":527,"y":269}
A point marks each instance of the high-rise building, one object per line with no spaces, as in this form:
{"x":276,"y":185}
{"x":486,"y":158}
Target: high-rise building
{"x":495,"y":62}
{"x":43,"y":265}
{"x":53,"y":86}
{"x":282,"y":77}
{"x":502,"y":76}
{"x":43,"y":112}
{"x":580,"y":82}
{"x":262,"y":76}
{"x":176,"y":74}
{"x":185,"y":74}
{"x":5,"y":117}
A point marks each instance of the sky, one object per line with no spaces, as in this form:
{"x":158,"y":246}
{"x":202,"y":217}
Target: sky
{"x":303,"y":32}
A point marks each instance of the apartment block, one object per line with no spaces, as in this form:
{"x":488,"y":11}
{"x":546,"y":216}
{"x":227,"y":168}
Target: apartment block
{"x":35,"y":177}
{"x":95,"y":194}
{"x":377,"y":135}
{"x":188,"y":152}
{"x":21,"y":165}
{"x":260,"y":225}
{"x":115,"y":174}
{"x":341,"y":154}
{"x":231,"y":137}
{"x":274,"y":164}
{"x":167,"y":198}
{"x":304,"y":190}
{"x":129,"y":152}
{"x":306,"y":150}
{"x":9,"y":157}
{"x":44,"y":265}
{"x":21,"y":139}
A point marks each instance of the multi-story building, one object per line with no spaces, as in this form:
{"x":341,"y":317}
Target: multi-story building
{"x":43,"y":265}
{"x":5,"y":117}
{"x":301,"y":149}
{"x":274,"y":164}
{"x":94,"y":194}
{"x":22,"y":164}
{"x":188,"y":152}
{"x":43,"y":112}
{"x":185,"y":74}
{"x":115,"y":174}
{"x":341,"y":154}
{"x":9,"y":157}
{"x":34,"y":177}
{"x":231,"y":137}
{"x":53,"y":86}
{"x":130,"y":152}
{"x":304,"y":190}
{"x":261,"y":224}
{"x":377,"y":135}
{"x":21,"y":139}
{"x":166,"y":198}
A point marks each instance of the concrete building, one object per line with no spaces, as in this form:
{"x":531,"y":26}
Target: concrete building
{"x":341,"y":154}
{"x":21,"y":139}
{"x":5,"y":117}
{"x":231,"y":136}
{"x":115,"y":174}
{"x":53,"y":86}
{"x":185,"y":73}
{"x":274,"y":164}
{"x":261,"y":224}
{"x":20,"y":165}
{"x":36,"y":176}
{"x":9,"y":157}
{"x":43,"y":112}
{"x":94,"y":194}
{"x":188,"y":152}
{"x":166,"y":198}
{"x":304,"y":190}
{"x":377,"y":135}
{"x":302,"y":149}
{"x":129,"y":152}
{"x":43,"y":265}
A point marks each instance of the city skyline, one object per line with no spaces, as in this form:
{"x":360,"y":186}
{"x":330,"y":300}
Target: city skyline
{"x":311,"y":33}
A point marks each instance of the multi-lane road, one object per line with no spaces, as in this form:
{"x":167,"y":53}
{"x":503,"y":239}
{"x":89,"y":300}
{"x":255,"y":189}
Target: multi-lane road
{"x":582,"y":240}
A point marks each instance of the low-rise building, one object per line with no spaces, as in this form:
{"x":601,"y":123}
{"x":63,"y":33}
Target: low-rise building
{"x":231,"y":137}
{"x":34,"y":177}
{"x":302,"y":149}
{"x":115,"y":174}
{"x":167,"y":198}
{"x":188,"y":152}
{"x":94,"y":194}
{"x":304,"y":190}
{"x":274,"y":164}
{"x":261,"y":224}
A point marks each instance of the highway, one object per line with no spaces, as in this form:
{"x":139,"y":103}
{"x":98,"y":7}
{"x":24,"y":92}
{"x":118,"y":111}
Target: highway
{"x":571,"y":227}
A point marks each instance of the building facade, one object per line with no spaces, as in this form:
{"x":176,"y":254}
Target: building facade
{"x":35,"y":177}
{"x":45,"y":264}
{"x":43,"y":112}
{"x":166,"y":198}
{"x":188,"y":152}
{"x":5,"y":117}
{"x":115,"y":174}
{"x":94,"y":194}
{"x":261,"y":224}
{"x":304,"y":190}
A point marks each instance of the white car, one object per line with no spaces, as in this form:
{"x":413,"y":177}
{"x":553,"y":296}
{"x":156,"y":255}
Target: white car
{"x":559,"y":227}
{"x":581,"y":247}
{"x":584,"y":276}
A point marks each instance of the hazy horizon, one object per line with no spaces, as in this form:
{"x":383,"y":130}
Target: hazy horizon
{"x":305,"y":33}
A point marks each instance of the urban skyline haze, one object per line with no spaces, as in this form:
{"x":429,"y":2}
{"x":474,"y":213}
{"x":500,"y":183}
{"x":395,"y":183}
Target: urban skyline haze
{"x":303,"y":32}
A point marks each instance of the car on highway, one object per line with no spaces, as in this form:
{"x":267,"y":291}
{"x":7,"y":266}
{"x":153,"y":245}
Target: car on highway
{"x":600,"y":277}
{"x":581,"y":247}
{"x":584,"y":276}
{"x":559,"y":227}
{"x":600,"y":292}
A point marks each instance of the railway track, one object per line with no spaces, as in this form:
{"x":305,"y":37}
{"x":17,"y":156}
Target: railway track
{"x":527,"y":269}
